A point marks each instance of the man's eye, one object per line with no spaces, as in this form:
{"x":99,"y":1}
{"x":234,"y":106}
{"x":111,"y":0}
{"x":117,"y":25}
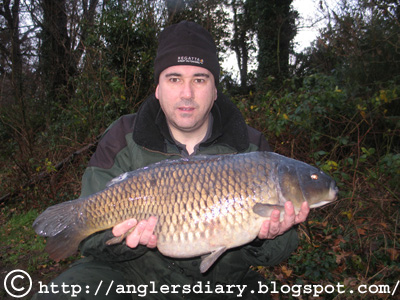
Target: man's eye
{"x":199,"y":80}
{"x":174,"y":79}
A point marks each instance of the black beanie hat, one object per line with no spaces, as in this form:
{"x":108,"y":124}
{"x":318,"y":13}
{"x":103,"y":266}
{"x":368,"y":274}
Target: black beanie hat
{"x":186,"y":43}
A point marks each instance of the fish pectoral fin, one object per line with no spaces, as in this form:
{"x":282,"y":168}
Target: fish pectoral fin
{"x":208,"y":260}
{"x":120,"y":238}
{"x":265,"y":209}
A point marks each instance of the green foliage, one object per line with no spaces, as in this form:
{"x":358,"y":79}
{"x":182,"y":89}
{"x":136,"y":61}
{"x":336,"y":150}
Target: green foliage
{"x":315,"y":264}
{"x":130,"y":45}
{"x":329,"y":123}
{"x":17,"y":233}
{"x":390,"y":164}
{"x":306,"y":107}
{"x":118,"y":67}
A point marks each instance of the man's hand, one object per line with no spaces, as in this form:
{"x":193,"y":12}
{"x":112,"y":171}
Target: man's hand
{"x":142,"y":234}
{"x":273,"y":227}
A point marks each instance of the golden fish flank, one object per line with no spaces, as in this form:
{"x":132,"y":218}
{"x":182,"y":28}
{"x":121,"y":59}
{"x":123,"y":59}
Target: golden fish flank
{"x":205,"y":204}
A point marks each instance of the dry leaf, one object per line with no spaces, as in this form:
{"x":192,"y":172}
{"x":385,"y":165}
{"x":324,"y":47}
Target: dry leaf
{"x":286,"y":271}
{"x":361,"y":231}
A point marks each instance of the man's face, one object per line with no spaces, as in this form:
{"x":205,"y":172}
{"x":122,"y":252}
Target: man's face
{"x":186,"y":95}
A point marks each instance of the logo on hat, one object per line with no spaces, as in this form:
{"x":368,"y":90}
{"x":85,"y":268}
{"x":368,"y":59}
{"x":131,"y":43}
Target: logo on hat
{"x":190,"y":60}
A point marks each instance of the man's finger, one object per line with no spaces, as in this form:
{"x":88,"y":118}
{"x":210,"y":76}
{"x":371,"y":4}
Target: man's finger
{"x":274,"y":224}
{"x":132,"y":240}
{"x":289,"y":217}
{"x":304,"y":210}
{"x":148,"y":231}
{"x":123,"y":227}
{"x":152,"y":242}
{"x":263,"y":234}
{"x":142,"y":233}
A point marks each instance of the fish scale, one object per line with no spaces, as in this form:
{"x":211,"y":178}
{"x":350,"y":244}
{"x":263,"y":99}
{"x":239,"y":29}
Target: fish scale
{"x":203,"y":205}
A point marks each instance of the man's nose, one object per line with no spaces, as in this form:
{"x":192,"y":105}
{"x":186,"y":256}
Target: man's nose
{"x":187,"y":90}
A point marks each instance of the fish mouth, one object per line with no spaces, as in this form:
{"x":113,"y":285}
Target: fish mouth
{"x":333,"y":191}
{"x":321,"y":203}
{"x":332,"y":196}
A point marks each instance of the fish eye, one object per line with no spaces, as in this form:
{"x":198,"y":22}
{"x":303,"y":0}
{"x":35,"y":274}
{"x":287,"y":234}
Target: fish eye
{"x":314,"y":176}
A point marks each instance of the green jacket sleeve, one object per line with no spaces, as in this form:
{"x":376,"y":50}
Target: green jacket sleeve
{"x":271,"y":252}
{"x":95,"y":245}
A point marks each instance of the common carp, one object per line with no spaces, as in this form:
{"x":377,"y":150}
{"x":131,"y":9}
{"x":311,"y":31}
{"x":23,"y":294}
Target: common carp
{"x":204,"y":204}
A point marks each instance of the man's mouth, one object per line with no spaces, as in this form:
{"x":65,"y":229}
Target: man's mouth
{"x":187,"y":109}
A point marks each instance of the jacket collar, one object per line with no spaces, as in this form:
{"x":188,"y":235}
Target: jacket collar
{"x":151,"y":130}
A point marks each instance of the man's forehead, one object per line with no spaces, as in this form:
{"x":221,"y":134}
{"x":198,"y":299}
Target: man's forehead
{"x":176,"y":74}
{"x":186,"y":70}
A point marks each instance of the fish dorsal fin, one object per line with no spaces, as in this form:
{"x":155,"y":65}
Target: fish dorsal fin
{"x":265,"y":209}
{"x":117,"y":179}
{"x":208,"y":260}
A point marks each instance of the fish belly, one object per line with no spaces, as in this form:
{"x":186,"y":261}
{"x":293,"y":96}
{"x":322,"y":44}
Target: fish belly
{"x":209,"y":237}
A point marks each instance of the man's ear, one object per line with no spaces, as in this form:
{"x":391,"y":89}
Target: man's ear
{"x":156,"y":93}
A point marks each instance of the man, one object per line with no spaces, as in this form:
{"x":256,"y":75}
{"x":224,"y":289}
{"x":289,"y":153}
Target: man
{"x":186,"y":116}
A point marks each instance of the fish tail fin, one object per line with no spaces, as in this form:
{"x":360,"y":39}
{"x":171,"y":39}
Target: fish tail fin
{"x":64,"y":226}
{"x":64,"y":244}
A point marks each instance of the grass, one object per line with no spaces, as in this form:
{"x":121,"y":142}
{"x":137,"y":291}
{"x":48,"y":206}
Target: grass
{"x":18,"y":238}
